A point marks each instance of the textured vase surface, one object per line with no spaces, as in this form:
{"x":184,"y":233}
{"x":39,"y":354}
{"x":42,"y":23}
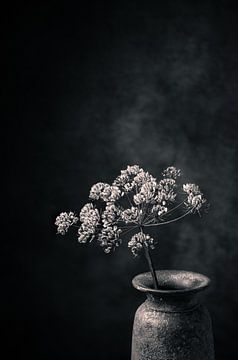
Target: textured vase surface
{"x":172,"y":323}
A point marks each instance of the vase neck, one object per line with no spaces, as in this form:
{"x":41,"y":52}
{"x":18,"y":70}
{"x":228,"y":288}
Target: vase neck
{"x":175,"y":303}
{"x":177,"y":291}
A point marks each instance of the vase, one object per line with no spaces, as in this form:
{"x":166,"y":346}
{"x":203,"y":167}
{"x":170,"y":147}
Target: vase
{"x":172,"y":323}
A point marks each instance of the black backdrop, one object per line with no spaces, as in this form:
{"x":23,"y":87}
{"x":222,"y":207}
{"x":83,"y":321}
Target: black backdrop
{"x":99,"y":88}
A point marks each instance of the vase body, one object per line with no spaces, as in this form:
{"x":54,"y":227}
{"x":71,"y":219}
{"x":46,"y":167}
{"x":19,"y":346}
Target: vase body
{"x":172,"y":323}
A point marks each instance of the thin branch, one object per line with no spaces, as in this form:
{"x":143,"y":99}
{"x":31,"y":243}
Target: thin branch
{"x":174,"y":208}
{"x":124,"y":232}
{"x":127,"y":226}
{"x":145,"y":213}
{"x":150,"y":217}
{"x":170,"y":221}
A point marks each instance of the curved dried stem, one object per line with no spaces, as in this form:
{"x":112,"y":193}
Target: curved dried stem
{"x":170,"y":221}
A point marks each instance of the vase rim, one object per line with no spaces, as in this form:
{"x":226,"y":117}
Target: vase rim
{"x":171,"y":282}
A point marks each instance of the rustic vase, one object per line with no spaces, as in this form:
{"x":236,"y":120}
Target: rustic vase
{"x":172,"y":323}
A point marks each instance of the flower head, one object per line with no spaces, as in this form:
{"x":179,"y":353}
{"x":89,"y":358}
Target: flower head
{"x":143,"y":178}
{"x":159,"y":210}
{"x":131,"y":215}
{"x":89,"y":215}
{"x":147,"y":190}
{"x":171,"y":172}
{"x":109,"y":238}
{"x":191,"y":188}
{"x":111,"y":193}
{"x":64,"y":221}
{"x":90,"y":218}
{"x":126,"y":178}
{"x":96,"y":190}
{"x":166,"y":191}
{"x":85,"y":233}
{"x":138,"y":241}
{"x":131,"y":170}
{"x":111,"y":214}
{"x":121,"y":180}
{"x":195,"y":199}
{"x":105,"y":192}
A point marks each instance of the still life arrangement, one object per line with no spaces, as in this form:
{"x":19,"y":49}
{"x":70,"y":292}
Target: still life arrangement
{"x":133,"y":204}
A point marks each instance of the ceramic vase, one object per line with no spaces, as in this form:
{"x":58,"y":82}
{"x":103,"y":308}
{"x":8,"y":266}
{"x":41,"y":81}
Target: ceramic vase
{"x":172,"y":323}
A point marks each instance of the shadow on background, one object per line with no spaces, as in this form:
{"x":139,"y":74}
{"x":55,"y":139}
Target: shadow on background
{"x":97,"y":89}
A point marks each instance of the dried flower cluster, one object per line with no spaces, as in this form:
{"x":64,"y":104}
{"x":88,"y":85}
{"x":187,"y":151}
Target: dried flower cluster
{"x":134,"y":201}
{"x":138,"y":241}
{"x":64,"y":221}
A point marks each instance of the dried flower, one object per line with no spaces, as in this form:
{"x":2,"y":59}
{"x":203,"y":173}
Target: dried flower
{"x":138,"y":241}
{"x":110,"y":214}
{"x":149,"y":203}
{"x":96,"y":190}
{"x":86,"y":233}
{"x":109,"y":238}
{"x":191,"y":188}
{"x":131,"y":170}
{"x":111,"y":193}
{"x":166,"y":191}
{"x":131,"y":215}
{"x":89,"y":215}
{"x":159,"y":209}
{"x":171,"y":172}
{"x":146,"y":193}
{"x":105,"y":192}
{"x":121,"y":180}
{"x":143,"y":178}
{"x":64,"y":221}
{"x":195,"y":199}
{"x":90,"y":218}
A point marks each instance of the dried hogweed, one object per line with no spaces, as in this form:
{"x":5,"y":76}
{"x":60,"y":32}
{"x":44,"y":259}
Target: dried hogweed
{"x":134,"y":202}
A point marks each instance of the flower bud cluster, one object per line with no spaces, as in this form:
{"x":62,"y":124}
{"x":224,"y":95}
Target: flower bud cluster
{"x":90,"y":218}
{"x":171,"y":172}
{"x":131,"y":170}
{"x":146,"y":193}
{"x":126,"y":179}
{"x":143,"y":177}
{"x":109,"y":238}
{"x":138,"y":241}
{"x":105,"y":192}
{"x":166,"y":191}
{"x":64,"y":221}
{"x":195,"y":199}
{"x":159,"y":210}
{"x":111,"y":214}
{"x":131,"y":215}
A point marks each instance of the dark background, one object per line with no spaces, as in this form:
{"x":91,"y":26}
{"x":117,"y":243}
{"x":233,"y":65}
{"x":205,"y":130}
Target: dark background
{"x":98,"y":88}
